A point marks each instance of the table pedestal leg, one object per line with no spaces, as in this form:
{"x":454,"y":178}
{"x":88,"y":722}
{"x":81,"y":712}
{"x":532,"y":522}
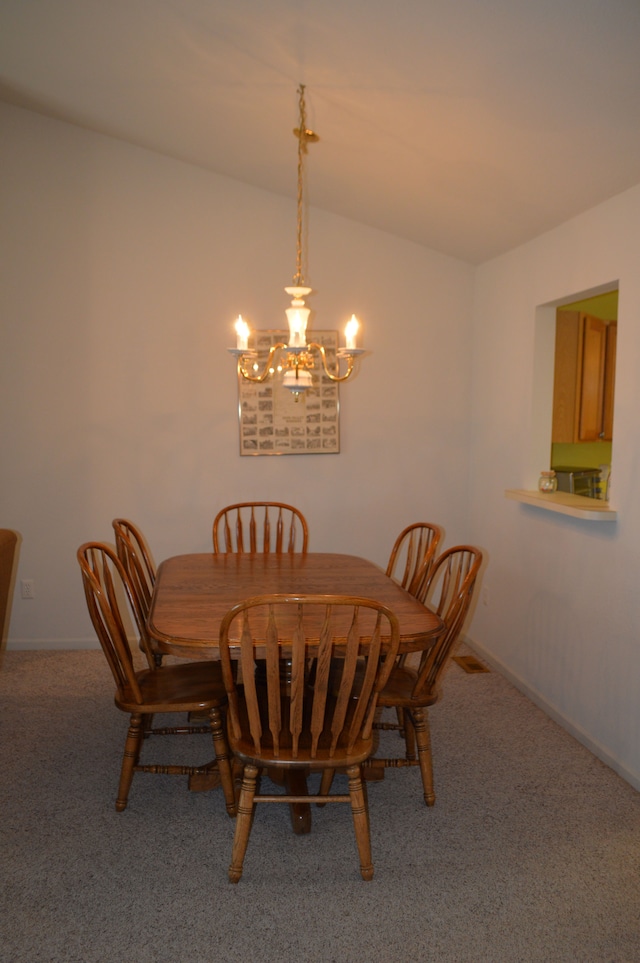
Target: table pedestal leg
{"x":295,"y":781}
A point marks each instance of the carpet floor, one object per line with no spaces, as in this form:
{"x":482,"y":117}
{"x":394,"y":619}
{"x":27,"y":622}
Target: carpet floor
{"x":531,"y":853}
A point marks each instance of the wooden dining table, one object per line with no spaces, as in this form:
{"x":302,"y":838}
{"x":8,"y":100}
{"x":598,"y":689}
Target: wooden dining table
{"x":194,"y":592}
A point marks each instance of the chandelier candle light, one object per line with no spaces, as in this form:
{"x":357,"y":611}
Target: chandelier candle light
{"x":298,"y":360}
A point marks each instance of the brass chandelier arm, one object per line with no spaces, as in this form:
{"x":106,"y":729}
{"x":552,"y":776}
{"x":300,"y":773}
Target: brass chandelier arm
{"x":330,"y":374}
{"x":264,"y":374}
{"x":295,"y":360}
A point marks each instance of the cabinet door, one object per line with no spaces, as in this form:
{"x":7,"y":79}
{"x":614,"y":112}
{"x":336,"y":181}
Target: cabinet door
{"x":591,"y":406}
{"x":584,"y":378}
{"x":566,"y":387}
{"x":609,"y":379}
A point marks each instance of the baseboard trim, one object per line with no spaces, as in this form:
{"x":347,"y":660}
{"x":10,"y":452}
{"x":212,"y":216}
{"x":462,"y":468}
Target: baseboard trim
{"x":633,"y":778}
{"x":50,"y":645}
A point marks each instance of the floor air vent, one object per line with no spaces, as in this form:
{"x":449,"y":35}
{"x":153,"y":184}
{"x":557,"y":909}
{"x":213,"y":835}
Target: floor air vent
{"x":469,"y":663}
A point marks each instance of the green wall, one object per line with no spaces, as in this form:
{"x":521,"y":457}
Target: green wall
{"x":603,"y":306}
{"x":586,"y":454}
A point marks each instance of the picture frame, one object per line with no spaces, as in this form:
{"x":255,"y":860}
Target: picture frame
{"x":272,"y":422}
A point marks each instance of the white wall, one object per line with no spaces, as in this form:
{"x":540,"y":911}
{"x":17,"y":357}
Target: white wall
{"x":121,"y":274}
{"x":563,"y":595}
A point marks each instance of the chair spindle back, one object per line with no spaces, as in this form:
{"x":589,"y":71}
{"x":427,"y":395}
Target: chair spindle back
{"x":104,"y":579}
{"x":312,"y":667}
{"x":449,"y":593}
{"x":137,"y":560}
{"x":412,"y":556}
{"x":260,"y":527}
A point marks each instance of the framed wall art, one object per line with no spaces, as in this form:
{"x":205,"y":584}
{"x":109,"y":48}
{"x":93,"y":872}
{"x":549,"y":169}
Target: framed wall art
{"x":273,"y":423}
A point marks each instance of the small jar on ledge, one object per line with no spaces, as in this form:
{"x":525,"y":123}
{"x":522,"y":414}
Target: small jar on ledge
{"x":547,"y":482}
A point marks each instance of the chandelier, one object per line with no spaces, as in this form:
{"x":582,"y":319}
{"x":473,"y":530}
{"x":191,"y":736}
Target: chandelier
{"x":296,"y":357}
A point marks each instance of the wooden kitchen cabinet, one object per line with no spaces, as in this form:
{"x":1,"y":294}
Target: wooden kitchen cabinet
{"x":584,"y":378}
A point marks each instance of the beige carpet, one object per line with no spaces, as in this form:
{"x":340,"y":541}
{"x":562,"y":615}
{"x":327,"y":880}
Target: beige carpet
{"x":531,"y":853}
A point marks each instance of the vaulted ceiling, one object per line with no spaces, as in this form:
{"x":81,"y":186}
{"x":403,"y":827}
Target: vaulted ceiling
{"x":467,"y":126}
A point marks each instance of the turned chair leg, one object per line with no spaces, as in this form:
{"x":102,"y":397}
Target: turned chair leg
{"x":135,"y":735}
{"x":409,"y":738}
{"x":223,"y":759}
{"x":360,"y":813}
{"x":420,"y":721}
{"x":243,"y":822}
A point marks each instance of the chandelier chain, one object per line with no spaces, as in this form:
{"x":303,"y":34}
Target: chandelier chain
{"x":304,"y":136}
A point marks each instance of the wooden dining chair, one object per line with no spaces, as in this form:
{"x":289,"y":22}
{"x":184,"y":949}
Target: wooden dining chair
{"x":260,"y":527}
{"x":312,"y":667}
{"x":138,"y":563}
{"x":412,"y":556}
{"x":413,"y":689}
{"x":191,"y":687}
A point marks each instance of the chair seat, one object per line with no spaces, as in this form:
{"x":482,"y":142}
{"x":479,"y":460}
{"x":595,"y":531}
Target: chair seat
{"x":340,"y":759}
{"x":176,"y":688}
{"x":399,"y":690}
{"x":243,"y":747}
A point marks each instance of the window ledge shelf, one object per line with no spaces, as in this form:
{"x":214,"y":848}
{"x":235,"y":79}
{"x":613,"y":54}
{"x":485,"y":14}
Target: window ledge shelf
{"x":589,"y":509}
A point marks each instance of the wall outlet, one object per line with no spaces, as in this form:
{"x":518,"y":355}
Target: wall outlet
{"x":28,"y":588}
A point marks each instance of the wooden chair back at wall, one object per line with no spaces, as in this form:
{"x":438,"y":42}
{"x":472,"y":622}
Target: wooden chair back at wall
{"x":412,"y":557}
{"x":137,"y":561}
{"x":133,"y":552}
{"x":105,"y":579}
{"x":260,"y":527}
